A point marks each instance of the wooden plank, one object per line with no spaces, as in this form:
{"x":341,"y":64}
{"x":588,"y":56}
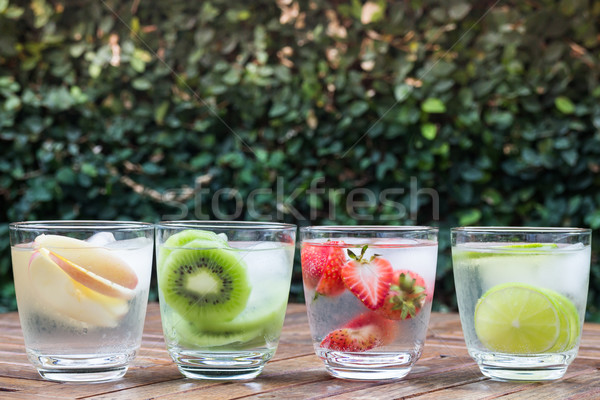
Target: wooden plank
{"x":135,"y":377}
{"x":445,"y":370}
{"x":292,"y":377}
{"x":491,"y":389}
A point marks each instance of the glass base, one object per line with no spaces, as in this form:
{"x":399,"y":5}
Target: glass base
{"x":81,"y":368}
{"x":226,"y":374}
{"x":367,"y":366}
{"x":221,"y":365}
{"x":530,"y":368}
{"x":83,"y":376}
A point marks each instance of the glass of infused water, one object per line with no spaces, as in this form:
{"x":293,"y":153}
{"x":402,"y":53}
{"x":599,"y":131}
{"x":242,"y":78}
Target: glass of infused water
{"x":368,"y":293}
{"x":82,"y":291}
{"x":223,"y":292}
{"x":521,"y":296}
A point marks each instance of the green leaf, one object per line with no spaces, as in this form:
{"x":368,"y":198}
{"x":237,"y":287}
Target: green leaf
{"x":12,"y":103}
{"x":492,"y":196}
{"x":89,"y":169}
{"x":469,"y":217}
{"x":593,"y":220}
{"x":141,"y":84}
{"x":429,"y":130}
{"x":161,"y":112}
{"x":402,"y":91}
{"x":459,"y":10}
{"x":433,"y":105}
{"x":564,"y":105}
{"x":358,"y":108}
{"x":14,"y":12}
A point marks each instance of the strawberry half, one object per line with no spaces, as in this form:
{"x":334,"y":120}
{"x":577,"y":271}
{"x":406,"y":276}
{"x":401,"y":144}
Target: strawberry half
{"x":321,"y":265}
{"x":386,"y":329}
{"x":348,"y":339}
{"x":369,"y":280}
{"x":407,"y":295}
{"x":363,"y":333}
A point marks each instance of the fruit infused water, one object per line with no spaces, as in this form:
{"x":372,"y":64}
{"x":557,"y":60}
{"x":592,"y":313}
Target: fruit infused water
{"x":522,"y":294}
{"x":82,"y":291}
{"x":368,"y":292}
{"x":223,"y":295}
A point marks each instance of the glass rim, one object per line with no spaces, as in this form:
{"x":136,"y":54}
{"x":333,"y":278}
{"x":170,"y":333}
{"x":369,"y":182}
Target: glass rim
{"x":368,"y":228}
{"x":80,"y":225}
{"x":242,"y":225}
{"x":520,"y":229}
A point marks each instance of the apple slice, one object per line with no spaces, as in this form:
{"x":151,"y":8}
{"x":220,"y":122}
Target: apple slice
{"x":94,"y":259}
{"x":88,"y":278}
{"x":56,"y":289}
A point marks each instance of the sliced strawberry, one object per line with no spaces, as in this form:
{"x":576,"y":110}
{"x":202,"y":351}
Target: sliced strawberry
{"x":407,"y":295}
{"x":386,"y":329}
{"x":321,"y":265}
{"x":369,"y":280}
{"x":347,"y":339}
{"x":363,"y":333}
{"x":313,"y":259}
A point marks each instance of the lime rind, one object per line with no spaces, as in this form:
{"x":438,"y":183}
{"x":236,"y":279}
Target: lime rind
{"x":517,"y":318}
{"x":571,"y":325}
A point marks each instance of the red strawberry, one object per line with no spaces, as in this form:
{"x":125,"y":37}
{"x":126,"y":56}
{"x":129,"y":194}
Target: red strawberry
{"x":386,"y":329}
{"x":321,"y":265}
{"x":406,"y":296}
{"x":348,"y":339}
{"x":363,"y":333}
{"x":369,"y":280}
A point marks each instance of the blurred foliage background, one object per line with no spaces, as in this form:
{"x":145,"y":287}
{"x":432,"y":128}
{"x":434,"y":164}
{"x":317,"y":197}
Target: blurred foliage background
{"x":312,"y":112}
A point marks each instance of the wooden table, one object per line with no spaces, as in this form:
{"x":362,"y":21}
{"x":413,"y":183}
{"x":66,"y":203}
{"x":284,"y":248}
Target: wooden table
{"x":445,"y":371}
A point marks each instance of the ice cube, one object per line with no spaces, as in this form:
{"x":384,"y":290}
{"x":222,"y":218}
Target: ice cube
{"x":267,"y":261}
{"x":576,"y":246}
{"x":101,"y":238}
{"x":130,"y":244}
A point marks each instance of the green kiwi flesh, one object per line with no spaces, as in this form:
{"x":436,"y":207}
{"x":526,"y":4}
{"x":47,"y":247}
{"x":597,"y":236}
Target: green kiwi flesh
{"x":186,"y":334}
{"x":266,"y":306}
{"x":204,"y":281}
{"x":182,"y":238}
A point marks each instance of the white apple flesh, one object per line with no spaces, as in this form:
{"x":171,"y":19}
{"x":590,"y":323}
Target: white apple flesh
{"x":88,"y":278}
{"x":58,"y":290}
{"x":94,"y":260}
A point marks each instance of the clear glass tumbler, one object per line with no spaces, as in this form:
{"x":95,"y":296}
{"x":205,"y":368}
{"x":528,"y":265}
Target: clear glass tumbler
{"x":368,"y":293}
{"x":223,"y":292}
{"x":82,"y":291}
{"x":521,"y":296}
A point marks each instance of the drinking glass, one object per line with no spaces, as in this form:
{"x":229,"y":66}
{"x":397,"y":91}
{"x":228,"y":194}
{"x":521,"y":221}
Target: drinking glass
{"x":223,"y":292}
{"x":368,"y":293}
{"x":82,"y":291}
{"x":521,"y":296}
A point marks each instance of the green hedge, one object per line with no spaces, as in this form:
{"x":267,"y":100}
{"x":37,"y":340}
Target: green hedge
{"x":440,"y":112}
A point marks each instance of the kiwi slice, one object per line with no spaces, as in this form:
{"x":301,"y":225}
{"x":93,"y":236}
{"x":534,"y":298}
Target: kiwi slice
{"x":185,"y":333}
{"x":265,"y":307}
{"x":183,"y":238}
{"x":204,"y":281}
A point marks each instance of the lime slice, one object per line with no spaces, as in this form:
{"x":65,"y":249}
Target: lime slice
{"x":570,"y":330}
{"x":564,"y":334}
{"x":530,"y":246}
{"x":500,"y":251}
{"x":518,"y":319}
